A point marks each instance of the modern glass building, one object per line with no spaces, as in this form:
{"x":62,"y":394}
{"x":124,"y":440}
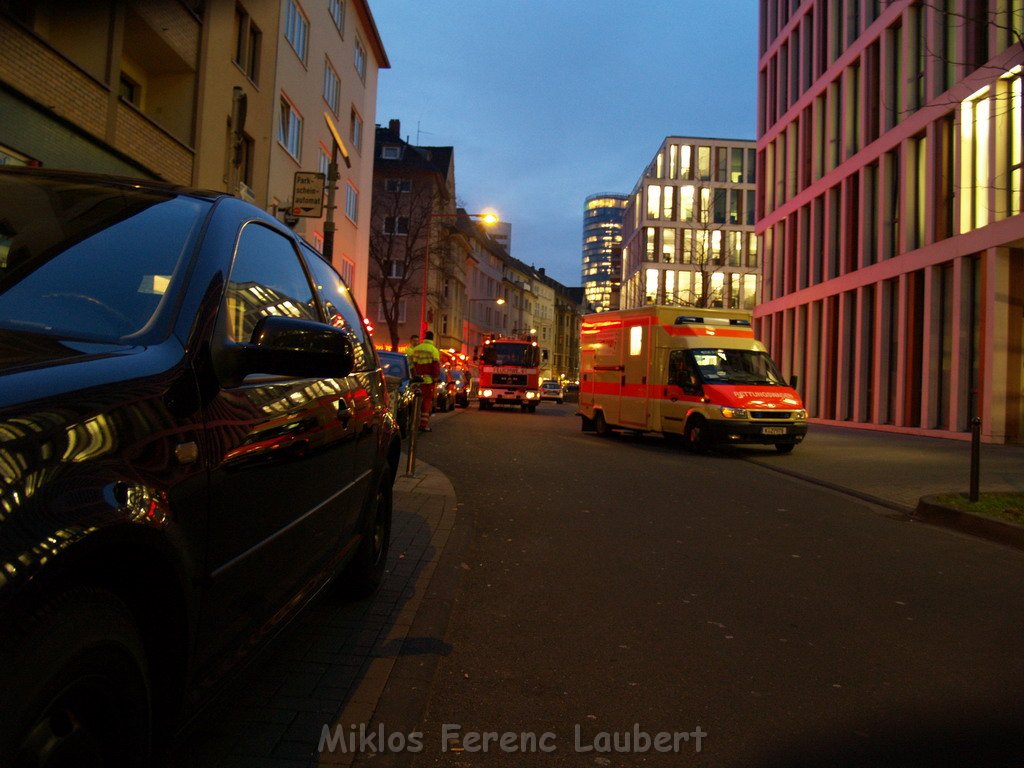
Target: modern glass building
{"x":688,"y":237}
{"x":602,"y":250}
{"x":889,"y":211}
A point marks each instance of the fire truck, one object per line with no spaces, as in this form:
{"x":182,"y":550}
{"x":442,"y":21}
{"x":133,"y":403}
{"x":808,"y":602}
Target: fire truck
{"x":695,"y":375}
{"x":509,"y":373}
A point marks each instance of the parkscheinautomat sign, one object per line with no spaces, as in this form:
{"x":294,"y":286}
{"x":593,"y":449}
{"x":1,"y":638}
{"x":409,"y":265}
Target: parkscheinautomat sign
{"x":308,"y":194}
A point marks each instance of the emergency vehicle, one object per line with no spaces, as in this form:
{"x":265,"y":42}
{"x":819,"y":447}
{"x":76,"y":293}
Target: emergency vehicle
{"x":509,"y":373}
{"x":696,"y":375}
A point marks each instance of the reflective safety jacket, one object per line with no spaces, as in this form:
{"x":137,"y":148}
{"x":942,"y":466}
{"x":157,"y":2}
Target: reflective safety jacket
{"x":426,"y":361}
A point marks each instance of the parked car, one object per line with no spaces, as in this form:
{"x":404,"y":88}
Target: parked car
{"x":552,"y":390}
{"x":193,"y":441}
{"x":401,"y":392}
{"x":444,"y":392}
{"x":462,"y":381}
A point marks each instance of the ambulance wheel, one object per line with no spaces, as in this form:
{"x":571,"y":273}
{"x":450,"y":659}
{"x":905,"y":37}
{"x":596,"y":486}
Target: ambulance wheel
{"x":533,"y":407}
{"x":586,"y":425}
{"x":696,"y":435}
{"x":785,"y":447}
{"x":601,"y":426}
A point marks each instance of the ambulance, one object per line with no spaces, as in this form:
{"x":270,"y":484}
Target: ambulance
{"x":697,"y":376}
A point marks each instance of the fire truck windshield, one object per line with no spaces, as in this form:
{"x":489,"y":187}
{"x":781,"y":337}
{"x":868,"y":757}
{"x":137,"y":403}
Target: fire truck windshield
{"x":510,"y":353}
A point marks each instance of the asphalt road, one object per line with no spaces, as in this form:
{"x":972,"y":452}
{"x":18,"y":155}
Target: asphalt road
{"x":620,"y":586}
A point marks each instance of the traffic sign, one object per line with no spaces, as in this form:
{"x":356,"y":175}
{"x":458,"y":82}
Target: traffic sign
{"x":308,"y":194}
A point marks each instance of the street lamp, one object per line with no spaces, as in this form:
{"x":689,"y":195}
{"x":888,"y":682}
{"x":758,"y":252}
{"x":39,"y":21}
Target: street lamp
{"x":332,"y":181}
{"x":486,"y":217}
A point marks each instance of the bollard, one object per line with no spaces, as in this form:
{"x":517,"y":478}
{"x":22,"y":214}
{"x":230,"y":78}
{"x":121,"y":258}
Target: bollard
{"x":975,"y":456}
{"x":414,"y":430}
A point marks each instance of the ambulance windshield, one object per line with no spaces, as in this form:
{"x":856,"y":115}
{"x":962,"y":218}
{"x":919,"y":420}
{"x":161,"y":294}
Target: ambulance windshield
{"x":736,"y":366}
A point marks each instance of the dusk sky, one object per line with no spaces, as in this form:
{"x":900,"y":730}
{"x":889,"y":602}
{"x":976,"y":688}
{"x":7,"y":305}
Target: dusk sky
{"x":549,"y":101}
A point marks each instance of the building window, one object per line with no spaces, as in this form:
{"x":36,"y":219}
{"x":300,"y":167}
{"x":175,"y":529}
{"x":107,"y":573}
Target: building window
{"x":974,"y":131}
{"x":1014,"y":155}
{"x":248,"y":39}
{"x":395,"y":269}
{"x":401,"y":312}
{"x":130,"y":91}
{"x":396,"y":225}
{"x":317,"y":241}
{"x":351,"y":202}
{"x":348,"y":270}
{"x":332,"y":86}
{"x":390,"y":153}
{"x":296,"y":28}
{"x":355,"y":130}
{"x":337,"y":10}
{"x":360,"y":60}
{"x":653,"y":201}
{"x":289,"y":129}
{"x":397,"y":185}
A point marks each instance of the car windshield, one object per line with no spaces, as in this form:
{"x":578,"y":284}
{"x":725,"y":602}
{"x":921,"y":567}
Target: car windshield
{"x":509,"y":353}
{"x":90,"y":261}
{"x":736,"y":366}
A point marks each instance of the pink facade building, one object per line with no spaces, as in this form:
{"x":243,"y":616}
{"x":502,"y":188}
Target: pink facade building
{"x":889,"y":210}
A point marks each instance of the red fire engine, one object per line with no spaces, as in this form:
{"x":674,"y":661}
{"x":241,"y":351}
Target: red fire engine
{"x":510,"y":373}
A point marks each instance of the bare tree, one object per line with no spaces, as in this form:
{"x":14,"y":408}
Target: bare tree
{"x":709,"y":249}
{"x":402,"y":214}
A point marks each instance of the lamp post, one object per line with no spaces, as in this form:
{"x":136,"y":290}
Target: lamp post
{"x":486,"y":217}
{"x":332,"y":182}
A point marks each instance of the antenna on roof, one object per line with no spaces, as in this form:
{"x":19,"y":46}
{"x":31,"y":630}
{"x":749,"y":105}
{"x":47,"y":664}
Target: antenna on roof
{"x":418,"y":132}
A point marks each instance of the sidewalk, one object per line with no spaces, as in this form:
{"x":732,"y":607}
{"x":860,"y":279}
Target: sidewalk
{"x":896,"y":470}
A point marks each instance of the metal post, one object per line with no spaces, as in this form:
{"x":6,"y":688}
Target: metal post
{"x":975,"y":456}
{"x":332,"y":183}
{"x":414,"y":429}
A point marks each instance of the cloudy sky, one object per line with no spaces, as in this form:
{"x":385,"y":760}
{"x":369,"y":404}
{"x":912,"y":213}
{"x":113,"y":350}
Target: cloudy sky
{"x":549,"y":101}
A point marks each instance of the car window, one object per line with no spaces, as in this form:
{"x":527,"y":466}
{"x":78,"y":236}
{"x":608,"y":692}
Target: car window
{"x":266,"y":279}
{"x":88,"y":261}
{"x":341,"y":308}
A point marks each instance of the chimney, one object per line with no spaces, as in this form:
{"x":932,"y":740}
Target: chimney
{"x":541,"y":270}
{"x":395,"y":126}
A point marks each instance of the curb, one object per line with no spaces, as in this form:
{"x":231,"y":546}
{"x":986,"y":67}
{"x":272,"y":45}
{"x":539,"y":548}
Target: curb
{"x":1000,"y":531}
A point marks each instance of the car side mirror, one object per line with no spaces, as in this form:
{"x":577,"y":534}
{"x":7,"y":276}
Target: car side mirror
{"x":287,"y":346}
{"x":793,"y":381}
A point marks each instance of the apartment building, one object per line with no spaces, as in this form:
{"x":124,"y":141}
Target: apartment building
{"x":889,"y":210}
{"x":232,"y":96}
{"x":602,"y":250}
{"x":104,"y":86}
{"x":688,"y":232}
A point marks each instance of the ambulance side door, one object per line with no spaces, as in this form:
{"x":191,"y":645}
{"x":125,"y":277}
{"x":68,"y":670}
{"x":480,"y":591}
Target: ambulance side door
{"x":682,"y":391}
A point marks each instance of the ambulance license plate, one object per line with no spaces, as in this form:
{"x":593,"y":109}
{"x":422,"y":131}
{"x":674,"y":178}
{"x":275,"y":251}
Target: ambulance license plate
{"x":773,"y":430}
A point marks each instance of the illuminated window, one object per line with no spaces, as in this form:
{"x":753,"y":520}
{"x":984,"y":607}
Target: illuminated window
{"x":704,"y":213}
{"x":686,"y":202}
{"x":685,"y":162}
{"x":670,"y":287}
{"x":636,"y":340}
{"x":666,"y":203}
{"x":659,"y":164}
{"x":974,"y":140}
{"x":651,"y":284}
{"x":704,"y":163}
{"x":673,"y":161}
{"x":650,"y":237}
{"x":668,"y":246}
{"x":653,"y":201}
{"x":1014,"y":143}
{"x":686,"y":253}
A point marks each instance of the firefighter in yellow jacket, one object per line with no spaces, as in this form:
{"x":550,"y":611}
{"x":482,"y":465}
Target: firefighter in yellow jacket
{"x":426,"y":363}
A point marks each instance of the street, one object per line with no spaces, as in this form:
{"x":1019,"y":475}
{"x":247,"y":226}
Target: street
{"x":618,"y":582}
{"x":598,"y":594}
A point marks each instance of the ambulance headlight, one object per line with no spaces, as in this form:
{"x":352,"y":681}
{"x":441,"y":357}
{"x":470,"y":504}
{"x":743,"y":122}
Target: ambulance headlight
{"x":734,"y":413}
{"x":531,"y":395}
{"x":487,"y":393}
{"x":800,"y":415}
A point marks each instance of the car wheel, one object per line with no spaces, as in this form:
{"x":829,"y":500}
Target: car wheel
{"x":76,"y":683}
{"x":366,"y":570}
{"x":600,"y":425}
{"x":696,"y":435}
{"x":785,"y":447}
{"x":559,"y":401}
